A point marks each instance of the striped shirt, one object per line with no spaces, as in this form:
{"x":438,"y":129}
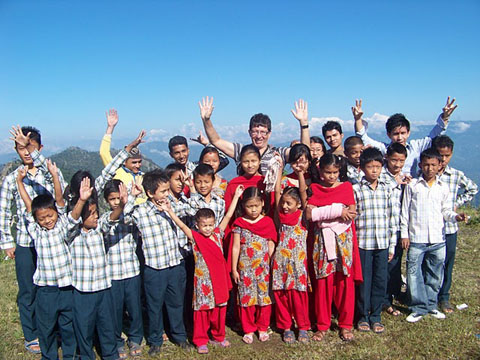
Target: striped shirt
{"x":266,"y":157}
{"x":396,"y":195}
{"x":354,"y":174}
{"x":197,"y":202}
{"x":179,"y":207}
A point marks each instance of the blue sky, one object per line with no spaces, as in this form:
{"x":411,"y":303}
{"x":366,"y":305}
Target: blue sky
{"x":63,"y":63}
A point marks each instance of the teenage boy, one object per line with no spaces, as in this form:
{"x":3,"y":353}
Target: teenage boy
{"x":260,"y":130}
{"x":333,"y":135}
{"x":38,"y":181}
{"x":164,"y":274}
{"x":376,"y":242}
{"x":353,"y":150}
{"x":462,"y":190}
{"x":398,"y":130}
{"x":425,"y":207}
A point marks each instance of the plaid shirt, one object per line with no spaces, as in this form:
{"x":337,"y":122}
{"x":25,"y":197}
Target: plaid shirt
{"x":354,"y":175}
{"x":424,"y":210}
{"x":110,"y":169}
{"x":456,"y":180}
{"x":266,"y":157}
{"x":396,"y":196}
{"x":179,"y":207}
{"x":197,"y":202}
{"x":160,"y":243}
{"x":38,"y":184}
{"x":374,"y":220}
{"x":89,"y":260}
{"x":54,"y":263}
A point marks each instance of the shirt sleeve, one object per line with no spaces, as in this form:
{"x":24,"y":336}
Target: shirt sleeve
{"x":6,"y":200}
{"x":237,"y":148}
{"x":105,"y":154}
{"x":470,"y":189}
{"x":448,"y":213}
{"x":405,"y":212}
{"x":32,"y":227}
{"x":109,"y":171}
{"x":367,"y":140}
{"x":420,"y":145}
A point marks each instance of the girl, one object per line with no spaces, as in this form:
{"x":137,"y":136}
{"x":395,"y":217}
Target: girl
{"x":335,"y":254}
{"x":254,"y":236}
{"x":299,"y":160}
{"x":211,"y":156}
{"x":317,"y":148}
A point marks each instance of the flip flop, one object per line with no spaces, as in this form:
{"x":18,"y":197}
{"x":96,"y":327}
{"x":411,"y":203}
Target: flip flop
{"x":392,"y":311}
{"x":202,"y":349}
{"x":224,"y":344}
{"x":363,"y":326}
{"x":378,"y":328}
{"x":263,"y":336}
{"x":346,"y":335}
{"x":319,"y":335}
{"x":303,"y":336}
{"x":288,"y":337}
{"x":135,"y":349}
{"x":30,"y":344}
{"x":248,"y":338}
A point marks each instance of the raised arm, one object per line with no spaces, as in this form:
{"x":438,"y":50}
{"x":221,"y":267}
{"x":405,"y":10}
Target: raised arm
{"x":357,"y":115}
{"x":112,"y":120}
{"x":361,"y":130}
{"x":52,"y":168}
{"x":85,"y":193}
{"x":301,"y":114}
{"x":168,"y":209}
{"x":21,"y":174}
{"x":228,"y":215}
{"x":122,"y":189}
{"x":206,"y":109}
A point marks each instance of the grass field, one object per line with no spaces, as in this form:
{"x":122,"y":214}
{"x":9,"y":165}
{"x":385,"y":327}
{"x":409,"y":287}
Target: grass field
{"x":452,"y":338}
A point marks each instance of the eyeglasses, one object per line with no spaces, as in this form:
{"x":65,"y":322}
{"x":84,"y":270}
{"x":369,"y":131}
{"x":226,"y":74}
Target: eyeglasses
{"x":258,"y":132}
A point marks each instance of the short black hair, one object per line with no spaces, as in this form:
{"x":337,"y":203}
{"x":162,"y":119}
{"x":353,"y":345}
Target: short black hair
{"x":430,"y":153}
{"x":396,"y":148}
{"x":331,"y":125}
{"x":395,"y":121}
{"x":173,"y":168}
{"x":92,"y":200}
{"x":352,"y":141}
{"x":152,"y":179}
{"x":260,"y":120}
{"x":204,"y":169}
{"x":34,"y":133}
{"x":44,"y":201}
{"x":111,"y":186}
{"x":297,"y":150}
{"x":204,"y":213}
{"x":442,"y":141}
{"x":370,"y":154}
{"x":177,"y":140}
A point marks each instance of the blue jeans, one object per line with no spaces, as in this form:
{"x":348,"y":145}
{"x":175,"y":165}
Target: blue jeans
{"x":425,"y":263}
{"x":451,"y":243}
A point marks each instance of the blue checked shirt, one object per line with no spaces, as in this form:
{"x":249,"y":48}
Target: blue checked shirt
{"x":354,"y":175}
{"x":110,"y":169}
{"x":38,"y":184}
{"x":197,"y":202}
{"x":457,"y":181}
{"x":374,"y":216}
{"x":179,"y":207}
{"x":396,"y":195}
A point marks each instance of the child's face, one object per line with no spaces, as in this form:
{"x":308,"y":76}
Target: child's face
{"x":395,"y":163}
{"x":399,"y":135}
{"x":301,"y":164}
{"x":329,"y":175}
{"x":113,"y":200}
{"x":46,"y":218}
{"x":24,"y":151}
{"x":91,"y":220}
{"x":133,"y":164}
{"x":253,"y":208}
{"x":250,"y":163}
{"x":203,"y":184}
{"x":180,"y":153}
{"x":353,"y":155}
{"x":430,"y":168}
{"x":212,"y":159}
{"x":206,"y":225}
{"x":316,"y":150}
{"x":372,"y":170}
{"x":288,"y":204}
{"x":160,"y":195}
{"x":176,"y":182}
{"x":446,"y":154}
{"x":333,"y":138}
{"x":259,"y":135}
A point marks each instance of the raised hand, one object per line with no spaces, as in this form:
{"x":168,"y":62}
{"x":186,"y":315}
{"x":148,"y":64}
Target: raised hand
{"x":85,"y":189}
{"x":52,"y":167}
{"x":357,"y":110}
{"x":239,"y":191}
{"x":137,"y":188}
{"x":122,"y":189}
{"x":200,"y":139}
{"x":138,"y":140}
{"x":206,"y":108}
{"x":448,"y":109}
{"x":19,"y":137}
{"x":112,"y":118}
{"x":301,"y":111}
{"x":21,"y":173}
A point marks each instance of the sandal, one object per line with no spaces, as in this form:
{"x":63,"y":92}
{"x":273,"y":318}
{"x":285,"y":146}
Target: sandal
{"x":263,"y":336}
{"x":303,"y":336}
{"x":122,"y":353}
{"x":224,"y":344}
{"x":346,"y":334}
{"x":33,"y":346}
{"x":446,"y":307}
{"x":202,"y":349}
{"x":248,"y":338}
{"x":135,"y":349}
{"x":363,"y":326}
{"x":319,"y":335}
{"x":392,"y":311}
{"x":288,"y":337}
{"x":378,"y":328}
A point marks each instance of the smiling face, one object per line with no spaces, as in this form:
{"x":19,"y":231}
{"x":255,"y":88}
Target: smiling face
{"x":46,"y":218}
{"x":250,"y":163}
{"x":260,"y":136}
{"x":253,"y":208}
{"x":91,"y":219}
{"x":288,"y":204}
{"x":176,"y":183}
{"x":206,"y":225}
{"x":180,"y":153}
{"x":333,"y":138}
{"x":301,"y":164}
{"x":212,"y":159}
{"x":353,"y":154}
{"x":160,"y":195}
{"x":399,"y":135}
{"x":24,"y":151}
{"x":316,"y":150}
{"x":133,"y":164}
{"x":203,"y":184}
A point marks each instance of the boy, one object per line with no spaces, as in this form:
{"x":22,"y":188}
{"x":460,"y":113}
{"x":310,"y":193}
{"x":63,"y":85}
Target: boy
{"x":425,"y":206}
{"x":462,"y":190}
{"x":353,"y":150}
{"x":333,"y":135}
{"x":398,"y":130}
{"x":212,"y":279}
{"x":164,"y":274}
{"x":48,"y":227}
{"x":376,"y":242}
{"x":38,"y":181}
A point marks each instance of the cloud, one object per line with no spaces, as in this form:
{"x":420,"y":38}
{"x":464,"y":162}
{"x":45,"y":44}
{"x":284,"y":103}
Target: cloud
{"x":6,"y":147}
{"x":162,"y":153}
{"x":459,"y":127}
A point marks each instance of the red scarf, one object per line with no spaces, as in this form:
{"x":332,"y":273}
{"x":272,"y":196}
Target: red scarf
{"x":256,"y":180}
{"x":264,"y":227}
{"x":217,"y":267}
{"x":289,"y":219}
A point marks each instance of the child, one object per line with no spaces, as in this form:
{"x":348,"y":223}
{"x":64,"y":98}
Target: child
{"x":462,"y":190}
{"x":353,"y":150}
{"x":335,"y":255}
{"x":254,"y":238}
{"x":376,"y":240}
{"x":211,"y":156}
{"x":299,"y":160}
{"x":398,"y":130}
{"x":333,"y":135}
{"x":124,"y":266}
{"x":212,"y":279}
{"x":48,"y":227}
{"x":425,"y":206}
{"x":317,"y":148}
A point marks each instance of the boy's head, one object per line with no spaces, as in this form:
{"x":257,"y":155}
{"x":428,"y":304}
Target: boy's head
{"x":44,"y":211}
{"x":333,"y":134}
{"x":111,"y":193}
{"x":444,"y":145}
{"x":35,"y":144}
{"x":396,"y":156}
{"x":203,"y":178}
{"x":134,"y":161}
{"x":205,"y":220}
{"x":260,"y":129}
{"x":179,"y":150}
{"x":430,"y":162}
{"x":398,"y":128}
{"x":371,"y":163}
{"x":174,"y":173}
{"x":156,"y":185}
{"x":353,"y":149}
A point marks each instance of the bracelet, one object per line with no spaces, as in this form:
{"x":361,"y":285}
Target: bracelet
{"x":304,"y":126}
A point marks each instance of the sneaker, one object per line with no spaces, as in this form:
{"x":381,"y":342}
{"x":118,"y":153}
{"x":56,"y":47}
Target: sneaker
{"x":437,"y":314}
{"x":414,"y":317}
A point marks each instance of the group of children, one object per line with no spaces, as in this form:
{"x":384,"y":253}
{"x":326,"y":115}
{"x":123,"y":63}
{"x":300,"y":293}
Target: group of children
{"x":328,"y":235}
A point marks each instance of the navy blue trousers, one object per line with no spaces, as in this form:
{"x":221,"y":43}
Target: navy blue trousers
{"x":451,"y":245}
